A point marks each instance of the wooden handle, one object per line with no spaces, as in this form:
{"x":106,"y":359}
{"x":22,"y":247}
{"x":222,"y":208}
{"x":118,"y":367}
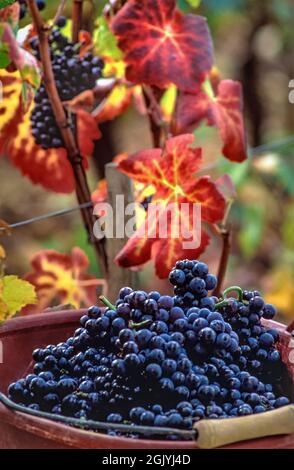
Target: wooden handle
{"x":218,"y":432}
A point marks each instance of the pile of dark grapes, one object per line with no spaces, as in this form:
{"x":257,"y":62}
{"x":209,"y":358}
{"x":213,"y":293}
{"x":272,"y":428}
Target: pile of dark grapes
{"x":23,"y":7}
{"x":164,"y":361}
{"x":73,"y":75}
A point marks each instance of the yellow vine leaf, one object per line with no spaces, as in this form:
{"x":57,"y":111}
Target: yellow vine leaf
{"x":2,"y":261}
{"x":2,"y":253}
{"x":15,"y":293}
{"x":282,"y":292}
{"x":168,"y":103}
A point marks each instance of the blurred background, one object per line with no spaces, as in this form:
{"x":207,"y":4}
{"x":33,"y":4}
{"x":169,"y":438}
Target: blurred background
{"x":254,"y":43}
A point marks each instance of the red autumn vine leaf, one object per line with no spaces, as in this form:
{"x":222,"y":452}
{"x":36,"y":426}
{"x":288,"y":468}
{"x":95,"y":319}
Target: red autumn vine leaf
{"x":62,"y":279}
{"x":21,"y":59}
{"x":163,"y":46}
{"x":87,"y":132}
{"x":223,"y":110}
{"x":100,"y":193}
{"x":171,"y":173}
{"x":50,"y":168}
{"x":10,"y":107}
{"x":115,"y":104}
{"x":10,"y":14}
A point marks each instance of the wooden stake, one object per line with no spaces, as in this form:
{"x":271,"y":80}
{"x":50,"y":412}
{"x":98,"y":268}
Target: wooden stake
{"x":121,"y":185}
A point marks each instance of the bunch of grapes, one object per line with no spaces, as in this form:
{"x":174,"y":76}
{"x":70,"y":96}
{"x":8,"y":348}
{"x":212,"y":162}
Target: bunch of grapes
{"x":192,"y":282}
{"x":41,"y":4}
{"x":158,"y":360}
{"x":73,"y":75}
{"x":257,"y":343}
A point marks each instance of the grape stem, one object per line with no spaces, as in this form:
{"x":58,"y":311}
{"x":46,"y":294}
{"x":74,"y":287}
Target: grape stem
{"x":155,"y":115}
{"x":132,"y":325}
{"x":82,"y":188}
{"x":237,"y":289}
{"x":227,"y":291}
{"x":139,"y":326}
{"x":107,"y":303}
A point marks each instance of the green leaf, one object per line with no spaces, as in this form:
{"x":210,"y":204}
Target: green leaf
{"x":105,"y":41}
{"x":6,"y":3}
{"x":194,"y":3}
{"x":15,"y":294}
{"x":186,"y":5}
{"x":4,"y":55}
{"x":23,"y":60}
{"x":67,"y":29}
{"x":252,"y":227}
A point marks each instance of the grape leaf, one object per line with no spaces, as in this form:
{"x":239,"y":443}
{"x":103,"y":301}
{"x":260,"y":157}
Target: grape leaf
{"x":170,"y":172}
{"x":2,"y":261}
{"x":223,"y":110}
{"x":10,"y":107}
{"x":2,"y":253}
{"x":15,"y":293}
{"x":87,"y":133}
{"x":162,"y":46}
{"x":61,"y":278}
{"x":281,"y":293}
{"x":194,"y":3}
{"x":10,"y":14}
{"x":49,"y":168}
{"x":4,"y":55}
{"x":105,"y":41}
{"x":168,"y":103}
{"x":6,"y":3}
{"x":100,"y":193}
{"x":115,"y":104}
{"x":22,"y":59}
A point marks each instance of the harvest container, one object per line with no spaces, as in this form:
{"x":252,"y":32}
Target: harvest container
{"x":18,"y":338}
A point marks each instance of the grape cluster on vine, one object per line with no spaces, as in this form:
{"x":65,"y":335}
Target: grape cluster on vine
{"x":73,"y":74}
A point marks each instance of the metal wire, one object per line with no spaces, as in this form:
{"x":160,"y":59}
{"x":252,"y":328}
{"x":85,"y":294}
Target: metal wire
{"x":97,"y":425}
{"x":50,"y":215}
{"x":271,"y":146}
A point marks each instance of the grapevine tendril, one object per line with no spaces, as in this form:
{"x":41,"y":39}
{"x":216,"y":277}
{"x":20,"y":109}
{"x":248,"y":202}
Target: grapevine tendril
{"x":224,"y":300}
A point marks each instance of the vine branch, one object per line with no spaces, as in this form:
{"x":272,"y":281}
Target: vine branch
{"x":74,"y":157}
{"x":226,"y":235}
{"x":77,"y":16}
{"x":154,"y":114}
